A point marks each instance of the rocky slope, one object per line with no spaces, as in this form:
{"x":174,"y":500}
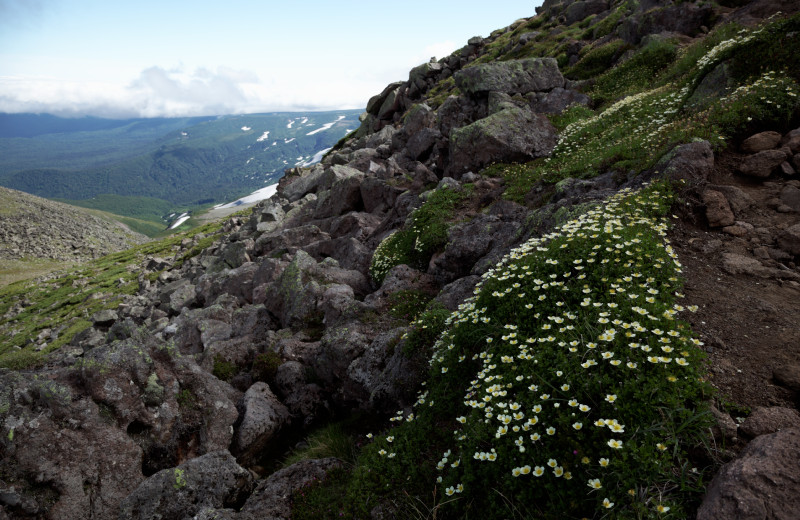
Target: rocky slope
{"x":32,"y":227}
{"x":327,"y":300}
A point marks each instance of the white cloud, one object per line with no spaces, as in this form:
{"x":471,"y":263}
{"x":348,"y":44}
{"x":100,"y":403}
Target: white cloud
{"x":158,"y":92}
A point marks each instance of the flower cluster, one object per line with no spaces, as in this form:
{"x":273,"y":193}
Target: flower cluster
{"x":567,"y":351}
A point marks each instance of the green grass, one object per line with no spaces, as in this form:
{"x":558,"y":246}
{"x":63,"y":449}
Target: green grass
{"x":66,"y":302}
{"x":577,"y":332}
{"x":597,"y":60}
{"x":426,"y":233}
{"x":330,"y":441}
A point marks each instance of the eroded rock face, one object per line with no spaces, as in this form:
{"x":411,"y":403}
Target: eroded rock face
{"x":761,"y":483}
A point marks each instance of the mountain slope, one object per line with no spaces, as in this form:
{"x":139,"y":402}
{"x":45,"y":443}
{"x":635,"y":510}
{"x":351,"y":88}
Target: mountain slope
{"x":186,"y":162}
{"x":481,"y":304}
{"x":32,"y":228}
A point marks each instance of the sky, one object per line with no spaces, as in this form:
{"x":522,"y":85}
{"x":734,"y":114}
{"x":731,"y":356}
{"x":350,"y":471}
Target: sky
{"x":155,"y":58}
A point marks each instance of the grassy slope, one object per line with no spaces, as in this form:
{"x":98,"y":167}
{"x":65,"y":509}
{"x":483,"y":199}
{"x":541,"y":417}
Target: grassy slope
{"x":66,"y":303}
{"x":573,"y":332}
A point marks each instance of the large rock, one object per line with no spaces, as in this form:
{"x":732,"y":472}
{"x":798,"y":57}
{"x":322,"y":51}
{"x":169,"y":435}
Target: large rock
{"x":272,"y":497}
{"x":761,"y":484}
{"x":469,"y":242}
{"x":691,"y":162}
{"x":790,"y":196}
{"x":82,"y":464}
{"x":577,"y":11}
{"x":455,"y":112}
{"x":344,"y":196}
{"x":235,"y":282}
{"x":376,"y":102}
{"x":305,"y":181}
{"x":378,"y":195}
{"x":766,"y":420}
{"x":303,"y":398}
{"x":684,"y":18}
{"x":213,"y":480}
{"x":263,"y":416}
{"x":511,"y":77}
{"x":789,"y":240}
{"x":292,"y":298}
{"x":555,"y":101}
{"x":762,"y":164}
{"x":506,"y":136}
{"x":760,"y":142}
{"x":718,"y":211}
{"x":738,"y":200}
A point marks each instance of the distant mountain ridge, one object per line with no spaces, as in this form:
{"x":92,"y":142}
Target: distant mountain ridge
{"x":160,"y":165}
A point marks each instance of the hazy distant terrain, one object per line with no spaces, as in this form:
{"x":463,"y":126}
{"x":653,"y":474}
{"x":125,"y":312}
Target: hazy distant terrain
{"x":150,"y":168}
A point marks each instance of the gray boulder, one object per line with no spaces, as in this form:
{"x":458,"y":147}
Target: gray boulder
{"x":718,"y":211}
{"x":263,"y":416}
{"x":376,"y":102}
{"x":344,"y":196}
{"x":292,"y":298}
{"x":212,"y":480}
{"x":85,"y":464}
{"x":690,"y":162}
{"x":510,"y":135}
{"x":762,"y":164}
{"x":761,"y":141}
{"x":577,"y":11}
{"x":272,"y":497}
{"x":766,"y":420}
{"x":761,"y":483}
{"x":303,"y":182}
{"x":303,"y":398}
{"x":789,"y":240}
{"x":556,"y":101}
{"x":511,"y":77}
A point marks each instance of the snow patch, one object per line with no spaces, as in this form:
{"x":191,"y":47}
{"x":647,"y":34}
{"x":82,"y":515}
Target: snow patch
{"x":287,"y":141}
{"x":183,"y":218}
{"x":246,"y":129}
{"x":264,"y":193}
{"x":291,"y":122}
{"x":317,"y":157}
{"x":263,"y":137}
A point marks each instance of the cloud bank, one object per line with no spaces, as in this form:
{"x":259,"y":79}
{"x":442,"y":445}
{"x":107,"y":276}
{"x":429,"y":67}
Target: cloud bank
{"x":160,"y":92}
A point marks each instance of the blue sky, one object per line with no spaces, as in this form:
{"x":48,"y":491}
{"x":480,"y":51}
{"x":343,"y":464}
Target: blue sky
{"x":118,"y":58}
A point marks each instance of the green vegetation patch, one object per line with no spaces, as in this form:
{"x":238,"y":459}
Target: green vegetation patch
{"x":597,"y":60}
{"x":633,"y":74}
{"x":60,"y":308}
{"x":422,"y":237}
{"x":568,"y":382}
{"x":656,"y":111}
